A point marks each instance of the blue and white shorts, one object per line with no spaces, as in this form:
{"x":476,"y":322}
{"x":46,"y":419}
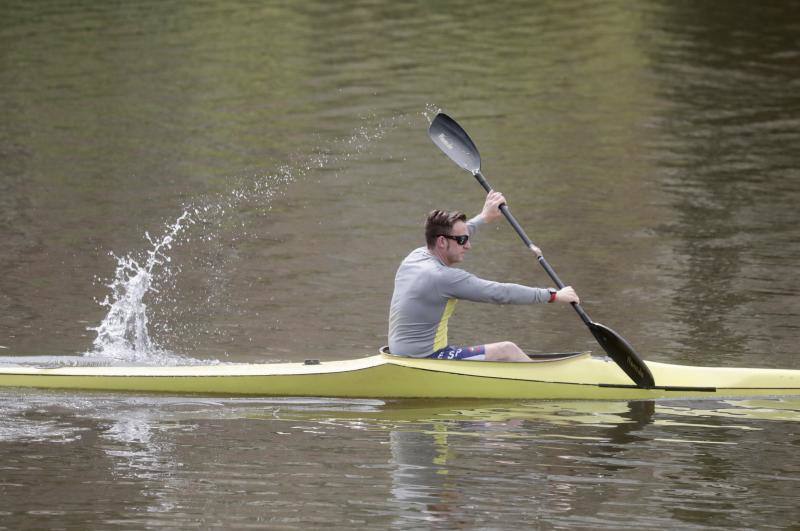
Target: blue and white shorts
{"x":476,"y":353}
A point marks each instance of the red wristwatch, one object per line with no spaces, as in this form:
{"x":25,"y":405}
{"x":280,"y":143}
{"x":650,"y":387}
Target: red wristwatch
{"x":553,"y":293}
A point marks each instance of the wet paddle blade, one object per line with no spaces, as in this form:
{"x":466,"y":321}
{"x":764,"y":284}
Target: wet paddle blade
{"x":623,"y":354}
{"x":455,"y":143}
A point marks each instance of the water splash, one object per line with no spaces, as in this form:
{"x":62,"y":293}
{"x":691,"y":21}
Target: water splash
{"x":430,"y":112}
{"x":124,"y":335}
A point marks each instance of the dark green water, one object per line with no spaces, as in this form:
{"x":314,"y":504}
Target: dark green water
{"x":650,"y":148}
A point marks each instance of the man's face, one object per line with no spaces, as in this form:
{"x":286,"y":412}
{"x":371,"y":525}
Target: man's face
{"x":453,"y":253}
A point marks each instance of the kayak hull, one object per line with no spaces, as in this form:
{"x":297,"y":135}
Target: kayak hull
{"x":386,"y":376}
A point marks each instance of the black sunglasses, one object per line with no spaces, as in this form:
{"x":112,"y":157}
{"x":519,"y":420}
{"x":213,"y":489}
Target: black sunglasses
{"x":461,"y":240}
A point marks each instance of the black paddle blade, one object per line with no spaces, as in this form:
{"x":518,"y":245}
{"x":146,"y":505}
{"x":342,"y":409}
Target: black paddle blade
{"x":455,"y":143}
{"x":622,"y":352}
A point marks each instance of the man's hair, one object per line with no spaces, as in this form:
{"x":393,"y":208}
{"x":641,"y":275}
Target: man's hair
{"x":441,"y":222}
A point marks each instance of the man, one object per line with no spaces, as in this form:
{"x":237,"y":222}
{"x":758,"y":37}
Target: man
{"x":427,"y":287}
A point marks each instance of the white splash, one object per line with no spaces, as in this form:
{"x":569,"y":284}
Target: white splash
{"x":124,"y":335}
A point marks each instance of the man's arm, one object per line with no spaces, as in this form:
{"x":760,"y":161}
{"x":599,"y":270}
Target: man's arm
{"x":466,"y":286}
{"x":489,"y":214}
{"x":454,"y":283}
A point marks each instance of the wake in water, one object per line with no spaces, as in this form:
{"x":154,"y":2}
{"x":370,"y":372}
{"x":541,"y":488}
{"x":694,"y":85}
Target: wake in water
{"x":124,"y":335}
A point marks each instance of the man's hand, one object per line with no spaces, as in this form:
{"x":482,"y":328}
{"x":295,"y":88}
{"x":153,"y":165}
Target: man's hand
{"x":568,"y":295}
{"x":491,"y":208}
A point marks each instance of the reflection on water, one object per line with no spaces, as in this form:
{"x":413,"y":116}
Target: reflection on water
{"x":405,"y":464}
{"x":537,"y":445}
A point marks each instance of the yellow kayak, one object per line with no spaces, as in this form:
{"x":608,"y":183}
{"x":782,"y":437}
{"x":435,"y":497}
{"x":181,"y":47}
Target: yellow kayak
{"x":574,"y":376}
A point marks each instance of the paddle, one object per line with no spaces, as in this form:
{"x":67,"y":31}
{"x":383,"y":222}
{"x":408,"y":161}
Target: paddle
{"x":456,"y":144}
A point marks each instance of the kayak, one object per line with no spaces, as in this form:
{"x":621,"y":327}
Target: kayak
{"x":556,"y":376}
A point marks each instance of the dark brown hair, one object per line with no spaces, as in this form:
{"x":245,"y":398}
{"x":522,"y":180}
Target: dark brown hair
{"x":441,"y":222}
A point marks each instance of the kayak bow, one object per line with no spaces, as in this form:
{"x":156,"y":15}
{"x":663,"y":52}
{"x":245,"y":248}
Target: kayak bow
{"x":385,"y":376}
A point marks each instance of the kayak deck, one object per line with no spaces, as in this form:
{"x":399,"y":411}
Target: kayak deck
{"x":386,"y":376}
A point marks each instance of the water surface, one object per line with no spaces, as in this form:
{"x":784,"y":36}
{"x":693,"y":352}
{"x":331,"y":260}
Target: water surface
{"x":183,"y":462}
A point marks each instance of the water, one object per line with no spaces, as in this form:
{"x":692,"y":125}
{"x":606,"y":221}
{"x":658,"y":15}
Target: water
{"x":237,"y":183}
{"x":298,"y":463}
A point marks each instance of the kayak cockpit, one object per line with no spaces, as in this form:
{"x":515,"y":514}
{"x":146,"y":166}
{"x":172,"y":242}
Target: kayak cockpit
{"x":534,"y":357}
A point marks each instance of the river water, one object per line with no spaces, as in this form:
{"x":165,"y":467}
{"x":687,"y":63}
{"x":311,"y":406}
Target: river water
{"x":237,"y":182}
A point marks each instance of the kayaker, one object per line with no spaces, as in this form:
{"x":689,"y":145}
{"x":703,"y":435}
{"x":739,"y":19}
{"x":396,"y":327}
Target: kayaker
{"x":427,"y":287}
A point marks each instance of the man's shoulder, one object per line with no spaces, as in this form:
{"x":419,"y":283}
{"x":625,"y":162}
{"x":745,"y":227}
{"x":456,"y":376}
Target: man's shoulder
{"x":419,"y":252}
{"x":427,"y":263}
{"x":421,"y":261}
{"x":420,"y":255}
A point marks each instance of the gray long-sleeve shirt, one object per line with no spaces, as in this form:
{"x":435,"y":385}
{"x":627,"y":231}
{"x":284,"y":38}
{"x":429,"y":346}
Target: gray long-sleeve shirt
{"x":425,"y":294}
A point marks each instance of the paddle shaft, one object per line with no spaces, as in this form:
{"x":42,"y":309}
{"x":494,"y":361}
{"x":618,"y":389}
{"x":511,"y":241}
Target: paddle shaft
{"x":459,"y":147}
{"x":530,"y":245}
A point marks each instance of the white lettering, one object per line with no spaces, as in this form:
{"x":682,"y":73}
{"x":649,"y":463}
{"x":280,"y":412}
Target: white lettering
{"x":443,"y":138}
